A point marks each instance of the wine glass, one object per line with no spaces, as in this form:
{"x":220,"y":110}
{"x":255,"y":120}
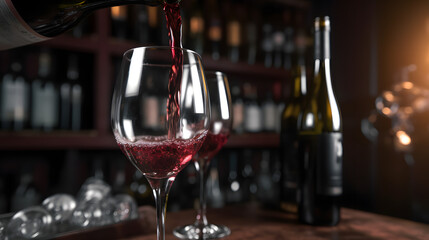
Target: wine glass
{"x":220,"y":126}
{"x":160,"y":115}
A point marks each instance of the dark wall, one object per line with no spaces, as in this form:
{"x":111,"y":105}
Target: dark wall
{"x":371,"y":42}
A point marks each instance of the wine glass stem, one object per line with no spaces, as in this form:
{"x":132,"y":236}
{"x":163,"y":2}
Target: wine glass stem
{"x":161,"y":188}
{"x":201,"y":216}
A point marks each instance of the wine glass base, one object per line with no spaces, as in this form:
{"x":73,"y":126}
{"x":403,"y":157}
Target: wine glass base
{"x":210,"y":231}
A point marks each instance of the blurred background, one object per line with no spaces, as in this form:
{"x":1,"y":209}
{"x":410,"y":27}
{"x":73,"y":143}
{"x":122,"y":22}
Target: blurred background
{"x":55,"y":101}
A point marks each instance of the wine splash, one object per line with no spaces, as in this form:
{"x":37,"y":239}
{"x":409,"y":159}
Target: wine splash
{"x":174,"y":26}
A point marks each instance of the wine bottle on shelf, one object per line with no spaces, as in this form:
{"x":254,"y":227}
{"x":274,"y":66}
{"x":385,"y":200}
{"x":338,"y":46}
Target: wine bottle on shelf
{"x":234,"y":191}
{"x":268,"y":45}
{"x":289,"y":47}
{"x":289,"y":141}
{"x":289,"y":41}
{"x":163,"y":35}
{"x":154,"y":24}
{"x":119,"y":16}
{"x":251,"y":32}
{"x":196,"y":27}
{"x":269,"y":113}
{"x":252,"y":42}
{"x":320,"y":133}
{"x":14,"y":98}
{"x":71,"y":96}
{"x":248,"y":173}
{"x":234,"y":41}
{"x":76,"y":102}
{"x":34,"y":21}
{"x":279,"y":43}
{"x":278,"y":92}
{"x":234,"y":31}
{"x":151,"y":105}
{"x":266,"y":189}
{"x":141,"y":26}
{"x":252,"y":110}
{"x":45,"y":95}
{"x":237,"y":110}
{"x":215,"y":29}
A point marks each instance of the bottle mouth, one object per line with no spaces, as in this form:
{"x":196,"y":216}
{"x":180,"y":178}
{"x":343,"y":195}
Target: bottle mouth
{"x":322,"y":23}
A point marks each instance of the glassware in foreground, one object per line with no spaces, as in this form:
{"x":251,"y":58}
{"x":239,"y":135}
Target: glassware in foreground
{"x":30,"y":223}
{"x":160,"y":115}
{"x":220,"y":127}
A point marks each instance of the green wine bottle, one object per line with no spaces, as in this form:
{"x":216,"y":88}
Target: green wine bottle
{"x":320,"y":146}
{"x":289,"y":130}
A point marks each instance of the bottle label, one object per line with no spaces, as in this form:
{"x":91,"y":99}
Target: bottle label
{"x":14,"y":31}
{"x":321,"y":163}
{"x":253,"y":121}
{"x":329,"y":161}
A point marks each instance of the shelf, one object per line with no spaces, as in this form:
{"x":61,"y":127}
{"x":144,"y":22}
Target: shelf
{"x":257,"y":71}
{"x":259,"y":140}
{"x":118,"y":47}
{"x":293,"y":3}
{"x":34,"y":140}
{"x":84,"y":44}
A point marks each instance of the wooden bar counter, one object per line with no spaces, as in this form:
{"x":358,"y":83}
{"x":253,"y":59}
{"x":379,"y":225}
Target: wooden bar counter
{"x":251,"y":222}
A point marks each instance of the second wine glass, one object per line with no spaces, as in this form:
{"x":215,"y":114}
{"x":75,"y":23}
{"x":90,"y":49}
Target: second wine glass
{"x":220,"y":127}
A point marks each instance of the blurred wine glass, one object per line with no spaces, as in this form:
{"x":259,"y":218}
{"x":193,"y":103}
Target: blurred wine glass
{"x":220,"y":127}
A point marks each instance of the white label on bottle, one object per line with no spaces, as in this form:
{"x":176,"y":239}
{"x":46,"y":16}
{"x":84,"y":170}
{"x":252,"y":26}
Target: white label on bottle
{"x":76,"y":107}
{"x":37,"y":112}
{"x":270,"y":116}
{"x":20,"y":99}
{"x":253,"y":120}
{"x":237,"y":115}
{"x":151,"y":111}
{"x":14,"y":31}
{"x":50,"y":106}
{"x":8,"y":98}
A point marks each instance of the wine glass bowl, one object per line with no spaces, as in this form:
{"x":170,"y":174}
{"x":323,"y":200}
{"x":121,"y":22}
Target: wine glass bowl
{"x":160,"y":114}
{"x":220,"y":127}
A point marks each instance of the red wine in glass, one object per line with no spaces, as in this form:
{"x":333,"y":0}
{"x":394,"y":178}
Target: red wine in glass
{"x":212,"y":145}
{"x":161,"y":157}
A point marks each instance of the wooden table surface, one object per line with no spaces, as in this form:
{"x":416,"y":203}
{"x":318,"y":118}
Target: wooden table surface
{"x":251,"y":222}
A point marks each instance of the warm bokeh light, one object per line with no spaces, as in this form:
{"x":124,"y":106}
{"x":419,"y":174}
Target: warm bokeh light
{"x":408,"y":110}
{"x":403,"y":138}
{"x":388,"y":95}
{"x":386,"y":111}
{"x":196,"y":25}
{"x":118,"y":12}
{"x":407,"y":85}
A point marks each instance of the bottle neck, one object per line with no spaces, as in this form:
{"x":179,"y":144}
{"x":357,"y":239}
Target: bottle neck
{"x":299,"y":87}
{"x":322,"y":58}
{"x":321,"y":44}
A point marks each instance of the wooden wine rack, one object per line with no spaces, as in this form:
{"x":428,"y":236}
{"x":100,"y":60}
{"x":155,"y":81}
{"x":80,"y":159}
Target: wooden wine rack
{"x":105,"y":48}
